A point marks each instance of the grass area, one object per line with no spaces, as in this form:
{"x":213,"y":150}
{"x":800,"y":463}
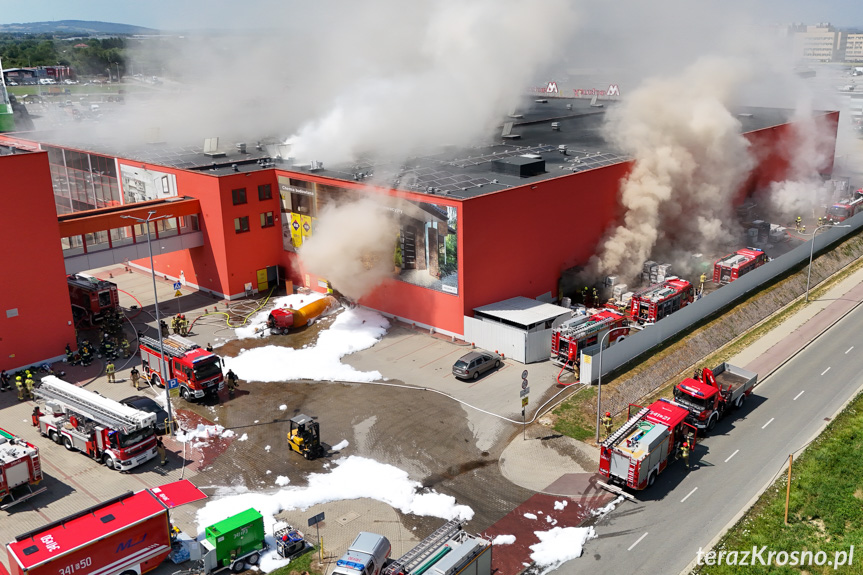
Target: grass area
{"x":74,"y":90}
{"x":576,"y":416}
{"x":825,"y":510}
{"x":300,"y":564}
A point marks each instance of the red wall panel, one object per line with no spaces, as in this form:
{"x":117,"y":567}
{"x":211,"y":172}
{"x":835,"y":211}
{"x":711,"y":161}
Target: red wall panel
{"x":35,"y":282}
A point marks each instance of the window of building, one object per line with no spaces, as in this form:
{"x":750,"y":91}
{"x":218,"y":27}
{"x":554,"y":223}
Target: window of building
{"x":267,"y":220}
{"x":238,"y":196}
{"x":265,"y":192}
{"x":241,"y":224}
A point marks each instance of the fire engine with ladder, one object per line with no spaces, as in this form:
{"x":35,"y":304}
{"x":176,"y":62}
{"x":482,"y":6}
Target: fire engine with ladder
{"x":197,"y":371}
{"x":570,"y":337}
{"x":117,"y":435}
{"x":657,"y":301}
{"x":736,"y":265}
{"x":642,"y":448}
{"x":20,"y":467}
{"x":91,"y":297}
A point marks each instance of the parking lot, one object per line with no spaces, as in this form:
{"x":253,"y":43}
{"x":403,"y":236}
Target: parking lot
{"x":447,"y":434}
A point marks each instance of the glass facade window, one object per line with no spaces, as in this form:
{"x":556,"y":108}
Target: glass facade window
{"x":141,"y":231}
{"x":122,"y":237}
{"x":241,"y":224}
{"x":265,"y":192}
{"x":72,"y":246}
{"x":238,"y":196}
{"x":167,"y":227}
{"x":82,"y":181}
{"x":267,"y":220}
{"x":97,"y":241}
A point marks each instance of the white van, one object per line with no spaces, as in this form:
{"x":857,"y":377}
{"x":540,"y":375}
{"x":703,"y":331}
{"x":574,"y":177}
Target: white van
{"x":366,"y":555}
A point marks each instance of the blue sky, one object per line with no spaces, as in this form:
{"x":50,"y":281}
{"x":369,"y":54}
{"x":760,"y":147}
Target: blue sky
{"x":224,"y":14}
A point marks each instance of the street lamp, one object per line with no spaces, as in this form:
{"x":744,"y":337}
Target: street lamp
{"x":812,"y":251}
{"x":147,"y":221}
{"x":599,"y":383}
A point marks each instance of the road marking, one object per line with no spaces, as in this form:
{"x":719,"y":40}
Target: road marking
{"x":849,"y":349}
{"x":733,"y":454}
{"x":637,"y":541}
{"x":769,"y":422}
{"x":687,"y":496}
{"x":825,"y":371}
{"x":798,"y":395}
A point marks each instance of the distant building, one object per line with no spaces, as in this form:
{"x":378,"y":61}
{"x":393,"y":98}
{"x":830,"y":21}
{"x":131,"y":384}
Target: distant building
{"x":854,"y":47}
{"x":820,"y":43}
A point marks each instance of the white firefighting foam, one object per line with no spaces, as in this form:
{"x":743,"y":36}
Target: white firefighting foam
{"x":353,"y":478}
{"x":558,"y":546}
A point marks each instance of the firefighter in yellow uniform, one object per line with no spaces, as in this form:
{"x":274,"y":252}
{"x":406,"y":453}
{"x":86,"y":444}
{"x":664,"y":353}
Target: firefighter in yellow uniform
{"x":175,"y":325}
{"x":684,"y":454}
{"x":125,"y":346}
{"x":109,"y":369}
{"x":607,"y":422}
{"x":19,"y":383}
{"x":798,"y":222}
{"x":28,"y":383}
{"x":802,"y":229}
{"x":703,"y":281}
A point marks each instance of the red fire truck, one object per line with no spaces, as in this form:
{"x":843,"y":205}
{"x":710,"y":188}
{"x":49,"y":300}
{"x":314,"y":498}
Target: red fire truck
{"x":19,"y":467}
{"x":847,"y":208}
{"x":573,"y":335}
{"x":128,"y":534}
{"x":197,"y":371}
{"x":91,"y":297}
{"x":643,"y":446}
{"x":117,"y":435}
{"x":714,"y":392}
{"x":737,"y":265}
{"x":657,"y":301}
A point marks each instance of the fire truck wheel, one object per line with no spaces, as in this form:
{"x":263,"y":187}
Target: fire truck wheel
{"x":52,"y":435}
{"x":711,"y":423}
{"x":253,"y":559}
{"x":187,"y":395}
{"x":238,"y":566}
{"x":739,"y":403}
{"x":651,"y":479}
{"x":67,"y":443}
{"x":109,"y":462}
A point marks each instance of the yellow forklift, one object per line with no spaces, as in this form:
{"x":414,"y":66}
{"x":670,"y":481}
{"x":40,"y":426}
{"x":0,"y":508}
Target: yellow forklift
{"x":304,"y":437}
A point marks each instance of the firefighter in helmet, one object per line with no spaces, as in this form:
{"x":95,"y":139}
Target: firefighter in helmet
{"x":28,"y":384}
{"x":175,"y":325}
{"x":184,"y":325}
{"x":231,"y":378}
{"x":802,"y":229}
{"x":684,"y":454}
{"x":798,"y":222}
{"x":69,"y":356}
{"x":607,"y":421}
{"x":19,"y":383}
{"x":820,"y":220}
{"x":124,"y":344}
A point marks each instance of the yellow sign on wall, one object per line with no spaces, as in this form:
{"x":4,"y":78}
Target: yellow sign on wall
{"x":297,"y":230}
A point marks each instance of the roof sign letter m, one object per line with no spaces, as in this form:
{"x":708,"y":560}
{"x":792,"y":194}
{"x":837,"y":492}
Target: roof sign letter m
{"x":551,"y":88}
{"x":613,"y":90}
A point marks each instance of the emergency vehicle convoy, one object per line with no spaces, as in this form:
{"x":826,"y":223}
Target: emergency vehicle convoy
{"x":844,"y":209}
{"x":447,"y":551}
{"x":570,"y":337}
{"x":657,"y":301}
{"x":713,"y":392}
{"x":92,"y":298}
{"x":128,"y":534}
{"x":117,"y":435}
{"x":197,"y":371}
{"x":642,"y":448}
{"x":737,"y":265}
{"x":20,"y":468}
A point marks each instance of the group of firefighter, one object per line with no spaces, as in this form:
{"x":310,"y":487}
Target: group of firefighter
{"x":179,"y":326}
{"x":24,"y":380}
{"x":682,"y":451}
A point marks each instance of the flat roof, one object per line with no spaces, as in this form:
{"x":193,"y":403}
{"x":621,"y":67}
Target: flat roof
{"x":459,"y":173}
{"x":522,"y":311}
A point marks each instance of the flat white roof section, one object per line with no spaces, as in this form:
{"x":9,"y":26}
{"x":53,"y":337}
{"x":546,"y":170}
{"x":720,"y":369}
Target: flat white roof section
{"x":521,"y":311}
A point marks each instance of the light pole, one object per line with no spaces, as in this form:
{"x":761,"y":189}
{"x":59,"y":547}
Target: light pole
{"x":162,"y":371}
{"x":599,"y":383}
{"x":812,"y":252}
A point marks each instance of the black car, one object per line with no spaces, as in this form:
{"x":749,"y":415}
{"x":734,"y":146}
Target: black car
{"x":150,"y":406}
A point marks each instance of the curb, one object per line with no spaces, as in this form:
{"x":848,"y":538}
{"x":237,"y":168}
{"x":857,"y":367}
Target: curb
{"x":737,"y":516}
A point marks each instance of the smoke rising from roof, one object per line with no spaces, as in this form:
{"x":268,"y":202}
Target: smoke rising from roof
{"x":690,"y":161}
{"x":352,"y":247}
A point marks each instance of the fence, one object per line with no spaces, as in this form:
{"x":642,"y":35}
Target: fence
{"x":654,"y":336}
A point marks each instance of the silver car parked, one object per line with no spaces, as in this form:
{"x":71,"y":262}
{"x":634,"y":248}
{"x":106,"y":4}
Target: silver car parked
{"x":471,"y":365}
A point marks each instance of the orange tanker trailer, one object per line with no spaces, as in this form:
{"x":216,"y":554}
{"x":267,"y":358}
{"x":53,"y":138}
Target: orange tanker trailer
{"x":282,"y":319}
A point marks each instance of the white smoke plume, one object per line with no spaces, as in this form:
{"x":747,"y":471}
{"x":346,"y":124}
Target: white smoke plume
{"x":352,"y":247}
{"x":690,"y":161}
{"x":463,"y":65}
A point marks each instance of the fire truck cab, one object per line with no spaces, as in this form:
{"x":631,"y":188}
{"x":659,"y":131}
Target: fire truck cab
{"x":847,"y":208}
{"x":736,"y":265}
{"x":197,"y":371}
{"x":657,"y":301}
{"x":91,"y":297}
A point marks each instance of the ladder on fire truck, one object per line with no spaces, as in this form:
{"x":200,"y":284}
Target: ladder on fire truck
{"x":173,"y":345}
{"x":423,"y":550}
{"x":589,"y":327}
{"x":627,"y":427}
{"x":98,"y":408}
